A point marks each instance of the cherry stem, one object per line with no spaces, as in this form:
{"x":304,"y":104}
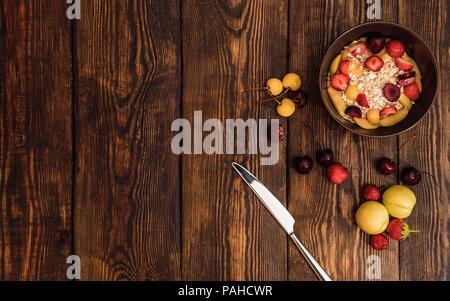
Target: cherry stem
{"x":403,"y":145}
{"x":434,"y":179}
{"x":284,"y":93}
{"x":274,"y":98}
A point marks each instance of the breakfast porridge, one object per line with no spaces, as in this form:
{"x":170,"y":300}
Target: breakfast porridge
{"x":373,"y":82}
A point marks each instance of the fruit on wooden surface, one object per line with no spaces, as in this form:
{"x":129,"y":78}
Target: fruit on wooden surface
{"x":410,"y":176}
{"x":292,"y":81}
{"x":394,"y":119}
{"x":274,"y":86}
{"x":286,"y":107}
{"x":371,"y":193}
{"x":372,"y":217}
{"x":373,"y":116}
{"x":399,"y":201}
{"x":379,"y":242}
{"x":337,"y":173}
{"x":386,"y":166}
{"x":324,"y":157}
{"x":337,"y":101}
{"x":300,"y":98}
{"x":365,"y":124}
{"x":398,"y":229}
{"x":352,"y":92}
{"x":304,"y":164}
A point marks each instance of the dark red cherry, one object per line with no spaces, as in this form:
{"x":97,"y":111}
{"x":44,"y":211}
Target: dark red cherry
{"x":353,"y":111}
{"x":324,"y":157}
{"x":386,"y":166}
{"x":375,"y":43}
{"x":410,"y":176}
{"x":391,"y":92}
{"x":300,"y":98}
{"x":304,"y":164}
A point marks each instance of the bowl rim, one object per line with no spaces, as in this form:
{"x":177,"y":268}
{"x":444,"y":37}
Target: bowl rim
{"x":416,"y":36}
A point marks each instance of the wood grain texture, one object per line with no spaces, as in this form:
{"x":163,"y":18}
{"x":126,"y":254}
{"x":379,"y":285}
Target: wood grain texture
{"x":425,"y":256}
{"x":127,"y":217}
{"x":229,"y":46}
{"x":35,"y":160}
{"x":324,"y":212}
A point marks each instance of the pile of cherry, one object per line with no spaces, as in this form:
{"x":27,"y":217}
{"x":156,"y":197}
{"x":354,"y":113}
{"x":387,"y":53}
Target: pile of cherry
{"x":286,"y":93}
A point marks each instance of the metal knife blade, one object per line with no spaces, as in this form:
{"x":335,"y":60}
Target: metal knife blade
{"x":275,"y":207}
{"x":280,"y":213}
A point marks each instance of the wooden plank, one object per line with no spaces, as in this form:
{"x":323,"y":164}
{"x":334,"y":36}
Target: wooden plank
{"x":127,"y":217}
{"x":229,"y":46}
{"x":35,"y":140}
{"x":325,"y":212}
{"x":424,"y":256}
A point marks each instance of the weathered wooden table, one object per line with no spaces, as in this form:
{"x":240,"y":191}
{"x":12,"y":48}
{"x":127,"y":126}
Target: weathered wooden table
{"x":86,"y":166}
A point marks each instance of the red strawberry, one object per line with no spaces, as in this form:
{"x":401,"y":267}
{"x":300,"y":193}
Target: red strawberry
{"x":395,"y":48}
{"x":388,"y":111}
{"x":339,"y":81}
{"x":398,"y":229}
{"x":412,"y":91}
{"x":362,"y":100}
{"x":391,"y":92}
{"x":344,"y":67}
{"x":379,"y":242}
{"x":403,"y":64}
{"x":337,"y":173}
{"x":358,"y":49}
{"x":371,"y":193}
{"x":374,"y":63}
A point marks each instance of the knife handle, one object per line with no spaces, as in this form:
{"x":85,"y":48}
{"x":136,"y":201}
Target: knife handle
{"x":320,"y":272}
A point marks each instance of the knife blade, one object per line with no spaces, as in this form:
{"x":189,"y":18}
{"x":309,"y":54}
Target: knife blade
{"x":281,"y":215}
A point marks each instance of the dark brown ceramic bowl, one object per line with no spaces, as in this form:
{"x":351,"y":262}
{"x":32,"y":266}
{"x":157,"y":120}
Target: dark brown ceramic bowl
{"x":415,"y":47}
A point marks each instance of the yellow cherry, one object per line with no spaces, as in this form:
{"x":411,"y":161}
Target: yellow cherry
{"x":286,"y":107}
{"x":292,"y":81}
{"x":274,"y":86}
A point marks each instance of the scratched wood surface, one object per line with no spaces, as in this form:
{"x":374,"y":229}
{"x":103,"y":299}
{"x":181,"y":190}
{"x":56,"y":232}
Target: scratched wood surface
{"x":127,"y":207}
{"x":86,"y":165}
{"x":36,"y":140}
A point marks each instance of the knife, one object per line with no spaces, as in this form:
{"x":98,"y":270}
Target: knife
{"x":280,"y":213}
